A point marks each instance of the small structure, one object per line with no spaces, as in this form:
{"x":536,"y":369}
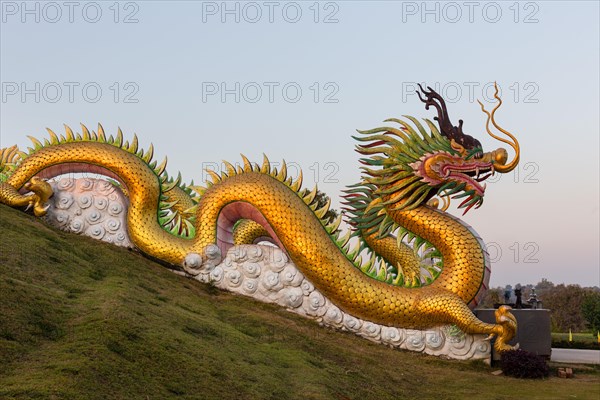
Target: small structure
{"x":533,"y":300}
{"x":518,"y":293}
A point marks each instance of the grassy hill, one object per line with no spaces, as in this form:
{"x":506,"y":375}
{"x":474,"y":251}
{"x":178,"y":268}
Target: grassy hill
{"x":80,"y":319}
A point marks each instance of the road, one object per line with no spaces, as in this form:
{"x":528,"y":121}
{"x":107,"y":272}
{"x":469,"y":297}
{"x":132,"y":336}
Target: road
{"x":576,"y":356}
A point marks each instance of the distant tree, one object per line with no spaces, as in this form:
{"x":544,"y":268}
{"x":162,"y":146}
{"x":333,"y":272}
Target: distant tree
{"x":493,"y":296}
{"x":543,"y":286}
{"x":590,"y":309}
{"x":565,"y":303}
{"x":571,"y":306}
{"x":507,"y":294}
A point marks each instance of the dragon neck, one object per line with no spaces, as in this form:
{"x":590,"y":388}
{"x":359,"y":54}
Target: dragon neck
{"x":466,"y":265}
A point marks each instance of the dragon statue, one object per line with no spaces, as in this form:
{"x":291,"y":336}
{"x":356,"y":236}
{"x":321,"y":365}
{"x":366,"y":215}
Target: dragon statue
{"x":422,"y":267}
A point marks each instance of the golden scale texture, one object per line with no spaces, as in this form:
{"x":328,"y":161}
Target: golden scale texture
{"x":397,"y":254}
{"x":312,"y":249}
{"x":141,"y":182}
{"x":247,"y":232}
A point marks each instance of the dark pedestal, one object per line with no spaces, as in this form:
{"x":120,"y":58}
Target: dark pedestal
{"x":533,"y":330}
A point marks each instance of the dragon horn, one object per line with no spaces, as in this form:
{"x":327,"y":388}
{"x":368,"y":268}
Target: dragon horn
{"x":501,"y":165}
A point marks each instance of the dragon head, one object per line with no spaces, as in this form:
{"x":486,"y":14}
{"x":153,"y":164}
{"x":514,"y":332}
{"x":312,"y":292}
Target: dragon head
{"x":418,"y":166}
{"x":462,"y":171}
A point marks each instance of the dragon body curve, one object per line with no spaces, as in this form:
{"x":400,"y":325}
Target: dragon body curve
{"x":254,"y":201}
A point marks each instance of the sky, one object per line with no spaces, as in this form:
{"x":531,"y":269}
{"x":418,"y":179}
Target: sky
{"x":206,"y":81}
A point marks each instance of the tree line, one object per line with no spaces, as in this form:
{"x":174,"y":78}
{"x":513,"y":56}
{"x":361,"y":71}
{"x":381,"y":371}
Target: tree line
{"x":572,"y":307}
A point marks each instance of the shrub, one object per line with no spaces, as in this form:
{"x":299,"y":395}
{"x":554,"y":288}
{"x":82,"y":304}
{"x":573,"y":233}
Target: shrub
{"x":523,"y":364}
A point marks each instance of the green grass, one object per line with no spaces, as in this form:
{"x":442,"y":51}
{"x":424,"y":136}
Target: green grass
{"x":577,"y":337}
{"x":585,"y":341}
{"x":80,"y":319}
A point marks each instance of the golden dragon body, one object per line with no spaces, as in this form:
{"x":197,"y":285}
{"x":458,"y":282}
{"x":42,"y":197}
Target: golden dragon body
{"x":253,"y":201}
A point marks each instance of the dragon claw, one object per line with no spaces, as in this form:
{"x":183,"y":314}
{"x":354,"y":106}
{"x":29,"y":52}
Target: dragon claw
{"x":507,"y":326}
{"x":40,"y":210}
{"x":41,"y":192}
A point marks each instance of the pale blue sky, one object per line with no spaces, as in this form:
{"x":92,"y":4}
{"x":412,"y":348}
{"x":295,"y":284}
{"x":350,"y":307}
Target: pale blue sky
{"x":544,"y":55}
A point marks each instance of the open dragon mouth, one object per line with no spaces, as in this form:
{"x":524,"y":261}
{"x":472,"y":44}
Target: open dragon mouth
{"x":468,"y":180}
{"x":472,"y":175}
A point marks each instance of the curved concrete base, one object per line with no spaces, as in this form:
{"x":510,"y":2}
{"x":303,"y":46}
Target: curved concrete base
{"x":265,"y":273}
{"x":97,"y":208}
{"x":92,"y":207}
